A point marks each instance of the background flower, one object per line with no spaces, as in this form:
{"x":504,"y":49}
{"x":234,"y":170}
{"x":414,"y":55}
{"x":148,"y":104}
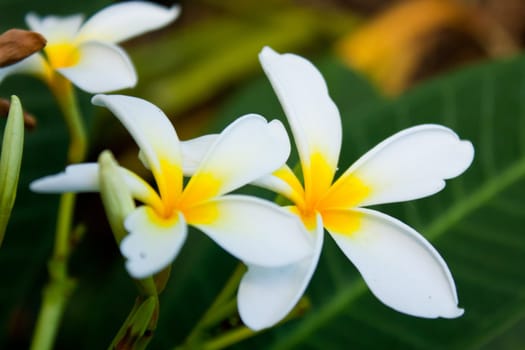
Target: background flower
{"x":86,"y":53}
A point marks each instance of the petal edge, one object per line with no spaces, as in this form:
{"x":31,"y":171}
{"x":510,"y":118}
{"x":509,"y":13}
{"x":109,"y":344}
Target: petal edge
{"x":401,"y":268}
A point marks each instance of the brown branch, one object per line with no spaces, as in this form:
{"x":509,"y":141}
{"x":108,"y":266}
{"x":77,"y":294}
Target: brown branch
{"x":29,"y":120}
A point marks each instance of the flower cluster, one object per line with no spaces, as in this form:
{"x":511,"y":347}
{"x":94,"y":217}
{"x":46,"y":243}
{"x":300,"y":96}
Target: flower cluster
{"x":400,"y":267}
{"x":281,"y":246}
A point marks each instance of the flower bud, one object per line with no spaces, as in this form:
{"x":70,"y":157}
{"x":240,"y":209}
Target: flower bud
{"x":116,"y":196}
{"x":118,"y":204}
{"x":10,"y":161}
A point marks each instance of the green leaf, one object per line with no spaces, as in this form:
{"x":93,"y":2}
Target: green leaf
{"x":476,"y":222}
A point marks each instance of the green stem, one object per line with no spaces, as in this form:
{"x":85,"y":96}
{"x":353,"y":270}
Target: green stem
{"x":122,"y":331}
{"x":210,"y":318}
{"x":226,"y":293}
{"x":55,"y":297}
{"x":220,"y":313}
{"x":230,"y":338}
{"x":65,"y":95}
{"x":241,"y":333}
{"x":60,"y":286}
{"x":137,"y":330}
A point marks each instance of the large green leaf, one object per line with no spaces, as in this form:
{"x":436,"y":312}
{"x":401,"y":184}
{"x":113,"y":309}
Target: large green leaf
{"x":477,"y":222}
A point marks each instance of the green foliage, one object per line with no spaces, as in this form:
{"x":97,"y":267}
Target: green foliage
{"x":476,"y":223}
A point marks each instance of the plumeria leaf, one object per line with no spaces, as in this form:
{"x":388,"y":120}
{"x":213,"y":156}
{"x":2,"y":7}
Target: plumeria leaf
{"x":125,"y":20}
{"x":266,"y":295}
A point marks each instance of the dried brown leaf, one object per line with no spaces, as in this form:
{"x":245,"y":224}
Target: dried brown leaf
{"x":17,"y":44}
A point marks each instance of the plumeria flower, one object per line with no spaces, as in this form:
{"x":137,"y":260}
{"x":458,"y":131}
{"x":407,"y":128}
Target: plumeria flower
{"x":399,"y":266}
{"x":249,"y":228}
{"x":86,"y":53}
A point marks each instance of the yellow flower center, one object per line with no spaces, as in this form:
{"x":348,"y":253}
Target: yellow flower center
{"x":62,"y":55}
{"x":192,"y":200}
{"x":332,"y":201}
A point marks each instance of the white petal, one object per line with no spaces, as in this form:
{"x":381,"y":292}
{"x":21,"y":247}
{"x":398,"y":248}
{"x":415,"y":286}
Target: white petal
{"x":253,"y":230}
{"x":247,"y":149}
{"x":194,"y":150}
{"x":411,"y":164}
{"x":76,"y":178}
{"x":284,"y":182}
{"x":153,"y":242}
{"x":313,"y":116}
{"x":399,"y":266}
{"x":55,"y":29}
{"x":125,"y":20}
{"x":85,"y":178}
{"x":267,"y":295}
{"x":155,"y":136}
{"x":101,"y":68}
{"x":33,"y":65}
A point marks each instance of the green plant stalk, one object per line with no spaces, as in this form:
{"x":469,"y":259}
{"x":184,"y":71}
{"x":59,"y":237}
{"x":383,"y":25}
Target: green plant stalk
{"x":221,"y":312}
{"x":55,"y":297}
{"x":64,"y":93}
{"x":241,"y":333}
{"x":230,"y":338}
{"x":137,"y":330}
{"x":60,"y":286}
{"x":10,"y":162}
{"x":209,"y":317}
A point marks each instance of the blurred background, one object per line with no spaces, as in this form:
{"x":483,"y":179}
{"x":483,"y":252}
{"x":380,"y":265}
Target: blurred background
{"x":388,"y":65}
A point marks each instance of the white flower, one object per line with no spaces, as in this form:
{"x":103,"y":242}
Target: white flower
{"x":399,"y":266}
{"x":247,"y":227}
{"x":86,"y":53}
